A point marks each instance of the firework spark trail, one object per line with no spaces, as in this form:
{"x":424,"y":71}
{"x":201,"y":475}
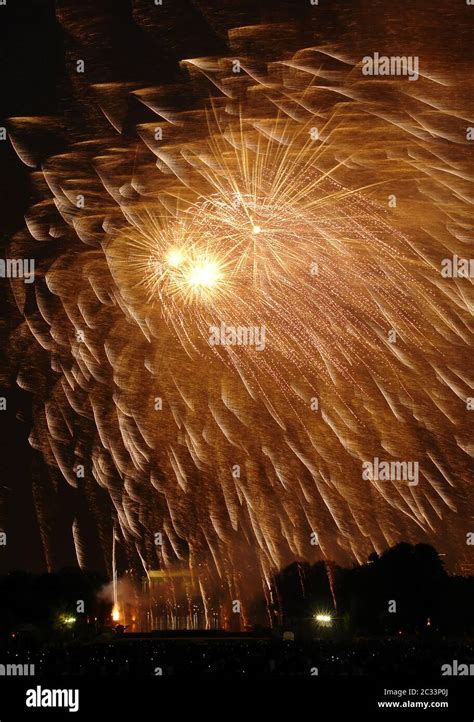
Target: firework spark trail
{"x":224,"y":220}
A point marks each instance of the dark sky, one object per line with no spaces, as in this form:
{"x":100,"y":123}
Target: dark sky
{"x":32,"y":54}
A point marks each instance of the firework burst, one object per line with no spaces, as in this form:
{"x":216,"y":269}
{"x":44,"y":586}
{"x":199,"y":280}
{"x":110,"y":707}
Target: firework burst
{"x":264,"y":207}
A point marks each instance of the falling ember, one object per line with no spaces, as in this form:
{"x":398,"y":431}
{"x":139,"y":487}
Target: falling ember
{"x":330,"y":576}
{"x":115,"y":610}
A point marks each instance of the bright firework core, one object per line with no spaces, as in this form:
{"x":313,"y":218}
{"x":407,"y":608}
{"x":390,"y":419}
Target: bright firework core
{"x":203,"y":275}
{"x":175,"y":258}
